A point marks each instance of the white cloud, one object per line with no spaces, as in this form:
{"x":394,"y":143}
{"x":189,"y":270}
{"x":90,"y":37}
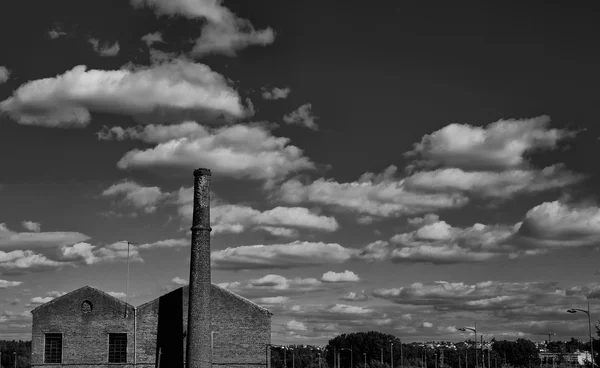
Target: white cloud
{"x":91,"y":254}
{"x":4,"y":284}
{"x":295,"y":254}
{"x":378,"y":195}
{"x":276,"y":93}
{"x":500,"y":145}
{"x":32,"y":226}
{"x":11,"y":239}
{"x":294,"y":325}
{"x":355,"y":297}
{"x":152,"y":38}
{"x":20,"y":261}
{"x":302,"y":116}
{"x":39,"y":300}
{"x":106,"y":49}
{"x":167,"y":243}
{"x":274,"y":285}
{"x":117,"y":294}
{"x":273,"y":300}
{"x":346,"y":276}
{"x":223,"y":32}
{"x":177,"y":86}
{"x":249,"y":151}
{"x":56,"y":33}
{"x":179,"y":281}
{"x":280,"y":231}
{"x":493,"y":184}
{"x":236,"y":218}
{"x":145,"y":198}
{"x":4,"y":74}
{"x":349,"y":309}
{"x":558,"y":224}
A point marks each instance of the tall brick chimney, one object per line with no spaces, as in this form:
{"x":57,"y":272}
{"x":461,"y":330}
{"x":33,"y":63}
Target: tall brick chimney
{"x":198,"y":350}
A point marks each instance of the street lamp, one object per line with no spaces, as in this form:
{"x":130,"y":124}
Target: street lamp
{"x":575,"y":310}
{"x":350,"y":350}
{"x":475,"y":331}
{"x":549,"y":338}
{"x":365,"y":355}
{"x":391,"y":354}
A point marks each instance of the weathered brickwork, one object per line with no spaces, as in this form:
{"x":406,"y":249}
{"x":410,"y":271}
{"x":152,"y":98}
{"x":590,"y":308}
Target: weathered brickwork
{"x":240,"y":329}
{"x":85,"y":335}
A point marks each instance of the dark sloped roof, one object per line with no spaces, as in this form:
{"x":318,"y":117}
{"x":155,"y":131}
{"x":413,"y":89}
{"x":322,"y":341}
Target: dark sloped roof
{"x":76,"y":290}
{"x":223,"y":290}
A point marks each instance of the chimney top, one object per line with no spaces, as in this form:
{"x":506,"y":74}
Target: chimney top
{"x":202,"y":172}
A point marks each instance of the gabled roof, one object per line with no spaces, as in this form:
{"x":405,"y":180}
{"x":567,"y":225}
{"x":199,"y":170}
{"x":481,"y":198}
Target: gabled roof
{"x":223,"y":290}
{"x":77,"y":290}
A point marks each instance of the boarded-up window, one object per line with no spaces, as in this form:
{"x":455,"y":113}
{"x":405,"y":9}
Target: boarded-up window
{"x":53,"y":348}
{"x":117,"y":348}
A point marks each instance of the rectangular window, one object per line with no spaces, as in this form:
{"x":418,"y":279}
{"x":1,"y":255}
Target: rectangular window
{"x":117,"y":348}
{"x":53,"y":348}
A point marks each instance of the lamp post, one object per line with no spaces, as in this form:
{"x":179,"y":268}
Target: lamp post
{"x":401,"y":362}
{"x":391,"y":354}
{"x":575,"y":310}
{"x":365,"y":355}
{"x":475,"y":331}
{"x":351,"y":353}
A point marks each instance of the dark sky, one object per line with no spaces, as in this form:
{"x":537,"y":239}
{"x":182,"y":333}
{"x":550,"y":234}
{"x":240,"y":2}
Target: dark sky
{"x":380,"y":77}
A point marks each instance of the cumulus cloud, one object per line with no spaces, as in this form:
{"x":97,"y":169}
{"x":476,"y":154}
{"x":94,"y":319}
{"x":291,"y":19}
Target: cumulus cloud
{"x":177,"y":86}
{"x":236,"y":218}
{"x":240,"y":151}
{"x":498,"y":146}
{"x":355,"y":297}
{"x":106,"y":49}
{"x":91,"y":254}
{"x":167,"y":243}
{"x":295,"y":254}
{"x":4,"y":284}
{"x":272,"y":284}
{"x":302,"y":116}
{"x":502,"y":184}
{"x":56,"y":33}
{"x":223,"y":32}
{"x":152,"y":38}
{"x":378,"y":195}
{"x":4,"y":74}
{"x":270,"y":300}
{"x":544,"y":300}
{"x":32,"y":226}
{"x":346,"y":276}
{"x":276,"y":93}
{"x":35,"y":238}
{"x":558,"y":224}
{"x":145,"y":198}
{"x":20,"y":261}
{"x":294,"y":325}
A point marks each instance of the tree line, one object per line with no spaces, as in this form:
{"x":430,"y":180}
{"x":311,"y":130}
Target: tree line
{"x":378,"y":350}
{"x":8,"y":350}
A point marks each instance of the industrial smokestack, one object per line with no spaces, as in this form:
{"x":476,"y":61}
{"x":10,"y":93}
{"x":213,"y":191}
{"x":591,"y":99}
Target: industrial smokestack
{"x":198,"y":350}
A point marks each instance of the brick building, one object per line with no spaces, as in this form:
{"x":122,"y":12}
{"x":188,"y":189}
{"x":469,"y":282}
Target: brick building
{"x":89,"y":328}
{"x":201,"y":323}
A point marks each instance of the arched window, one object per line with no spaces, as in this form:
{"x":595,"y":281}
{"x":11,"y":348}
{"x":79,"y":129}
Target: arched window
{"x":86,"y":307}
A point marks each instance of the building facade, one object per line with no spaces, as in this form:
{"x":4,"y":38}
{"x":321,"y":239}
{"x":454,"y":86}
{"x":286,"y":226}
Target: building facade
{"x":88,"y":328}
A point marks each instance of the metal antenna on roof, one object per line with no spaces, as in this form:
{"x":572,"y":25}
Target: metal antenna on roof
{"x":127,"y":282}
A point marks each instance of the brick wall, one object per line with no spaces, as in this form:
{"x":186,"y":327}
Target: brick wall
{"x":242,"y":330}
{"x":85,"y":335}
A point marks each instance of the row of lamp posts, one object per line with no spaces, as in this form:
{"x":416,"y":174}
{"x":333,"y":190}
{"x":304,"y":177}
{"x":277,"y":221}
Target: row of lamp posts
{"x":464,"y":329}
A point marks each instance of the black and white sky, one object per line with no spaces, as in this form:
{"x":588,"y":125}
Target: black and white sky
{"x":408,"y":167}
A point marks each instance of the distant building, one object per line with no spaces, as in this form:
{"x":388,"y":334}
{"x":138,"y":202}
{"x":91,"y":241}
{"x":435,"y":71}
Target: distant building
{"x":578,"y":358}
{"x":87,"y":327}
